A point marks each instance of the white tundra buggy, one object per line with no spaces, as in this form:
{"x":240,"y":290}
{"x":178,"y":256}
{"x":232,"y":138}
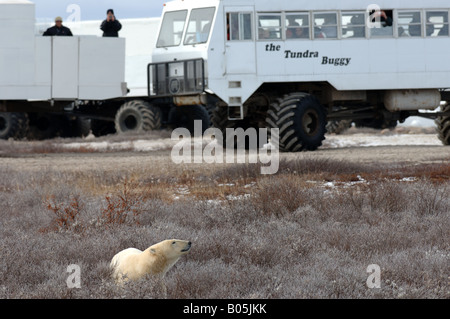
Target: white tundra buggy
{"x":297,"y":65}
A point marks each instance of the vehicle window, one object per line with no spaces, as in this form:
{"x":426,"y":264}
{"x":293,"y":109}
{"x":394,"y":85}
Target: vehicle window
{"x":437,"y":24}
{"x":239,"y":26}
{"x":297,"y":26}
{"x":269,"y":26}
{"x":409,"y":24}
{"x":385,"y":17}
{"x":172,"y":29}
{"x":325,"y":25}
{"x":353,"y":25}
{"x":199,"y":26}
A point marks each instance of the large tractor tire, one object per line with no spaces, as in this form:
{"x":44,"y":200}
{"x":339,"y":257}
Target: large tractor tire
{"x":45,"y":126}
{"x":443,"y":126}
{"x":75,"y":127}
{"x":82,"y":127}
{"x":301,"y":120}
{"x":13,"y":125}
{"x":138,"y":116}
{"x":101,"y":128}
{"x":185,"y":117}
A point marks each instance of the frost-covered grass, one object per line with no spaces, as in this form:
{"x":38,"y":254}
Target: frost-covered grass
{"x":309,"y":231}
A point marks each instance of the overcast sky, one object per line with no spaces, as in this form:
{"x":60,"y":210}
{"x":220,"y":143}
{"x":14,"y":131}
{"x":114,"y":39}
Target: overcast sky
{"x":96,"y":9}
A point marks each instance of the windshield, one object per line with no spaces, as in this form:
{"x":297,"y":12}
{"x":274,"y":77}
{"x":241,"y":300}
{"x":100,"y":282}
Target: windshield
{"x":199,"y":26}
{"x":172,"y":29}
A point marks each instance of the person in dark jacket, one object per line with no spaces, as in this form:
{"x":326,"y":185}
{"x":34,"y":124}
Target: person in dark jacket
{"x":58,"y":29}
{"x":111,"y":26}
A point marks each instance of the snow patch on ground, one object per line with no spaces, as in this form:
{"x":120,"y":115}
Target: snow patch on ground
{"x":332,"y":142}
{"x":415,"y":121}
{"x":133,"y":146}
{"x":366,"y":140}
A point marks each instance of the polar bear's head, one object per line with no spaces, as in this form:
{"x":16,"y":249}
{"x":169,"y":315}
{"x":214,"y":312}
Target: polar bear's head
{"x":172,"y":248}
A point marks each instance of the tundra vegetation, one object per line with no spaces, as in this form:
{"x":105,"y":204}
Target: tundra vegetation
{"x":310,"y":231}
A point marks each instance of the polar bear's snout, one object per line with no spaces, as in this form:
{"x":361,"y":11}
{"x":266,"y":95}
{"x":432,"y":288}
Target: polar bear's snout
{"x":187,"y":247}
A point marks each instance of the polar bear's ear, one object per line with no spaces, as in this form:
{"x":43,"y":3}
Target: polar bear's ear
{"x":152,"y":251}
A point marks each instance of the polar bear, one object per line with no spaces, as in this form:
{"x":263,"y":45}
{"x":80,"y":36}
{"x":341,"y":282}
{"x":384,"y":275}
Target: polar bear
{"x":133,"y":264}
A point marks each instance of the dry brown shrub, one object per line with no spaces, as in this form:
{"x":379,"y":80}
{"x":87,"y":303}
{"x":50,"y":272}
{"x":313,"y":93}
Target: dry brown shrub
{"x":280,"y":195}
{"x":431,"y":199}
{"x":124,"y":206}
{"x":66,"y":216}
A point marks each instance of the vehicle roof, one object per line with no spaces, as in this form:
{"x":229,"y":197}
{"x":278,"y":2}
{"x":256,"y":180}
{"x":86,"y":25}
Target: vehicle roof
{"x":304,"y":5}
{"x":15,"y":2}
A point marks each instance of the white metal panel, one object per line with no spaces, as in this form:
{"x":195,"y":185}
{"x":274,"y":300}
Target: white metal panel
{"x":24,"y":92}
{"x":102,"y":60}
{"x":101,"y":68}
{"x":65,"y":67}
{"x":43,"y":61}
{"x":16,"y":47}
{"x":16,"y":24}
{"x":18,"y":53}
{"x":26,"y":67}
{"x":435,"y":53}
{"x":17,"y":68}
{"x":141,"y":36}
{"x":9,"y":66}
{"x":16,"y":33}
{"x":16,"y":10}
{"x":411,"y":54}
